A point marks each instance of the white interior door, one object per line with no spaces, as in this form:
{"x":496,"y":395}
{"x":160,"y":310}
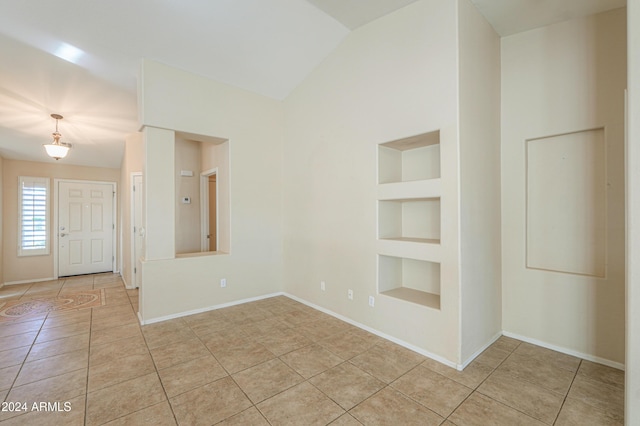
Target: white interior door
{"x":85,"y":228}
{"x":138,"y":230}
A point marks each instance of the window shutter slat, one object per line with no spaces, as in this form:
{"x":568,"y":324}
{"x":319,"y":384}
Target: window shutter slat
{"x":33,"y":214}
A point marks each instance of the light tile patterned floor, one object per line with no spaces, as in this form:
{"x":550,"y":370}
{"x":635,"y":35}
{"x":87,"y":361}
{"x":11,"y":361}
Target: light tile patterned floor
{"x":272,"y":362}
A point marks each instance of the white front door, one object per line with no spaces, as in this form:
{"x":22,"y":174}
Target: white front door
{"x":85,"y":228}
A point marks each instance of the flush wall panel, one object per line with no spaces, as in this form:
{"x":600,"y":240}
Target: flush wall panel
{"x":566,"y":203}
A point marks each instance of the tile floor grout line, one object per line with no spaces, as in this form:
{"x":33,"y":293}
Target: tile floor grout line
{"x":514,"y":408}
{"x":365,"y":400}
{"x":24,"y":361}
{"x":278,"y":357}
{"x":22,"y":366}
{"x":567,"y":394}
{"x":228,"y":375}
{"x":253,"y":334}
{"x":253,"y":405}
{"x":475,"y":389}
{"x":415,"y":400}
{"x":86,"y":391}
{"x":509,"y":406}
{"x":155,"y":367}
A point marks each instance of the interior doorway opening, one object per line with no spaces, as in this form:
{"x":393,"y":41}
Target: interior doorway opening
{"x":209,"y":205}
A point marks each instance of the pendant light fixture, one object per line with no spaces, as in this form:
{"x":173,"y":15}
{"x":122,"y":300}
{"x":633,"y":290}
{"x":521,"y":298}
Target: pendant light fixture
{"x":57,"y":149}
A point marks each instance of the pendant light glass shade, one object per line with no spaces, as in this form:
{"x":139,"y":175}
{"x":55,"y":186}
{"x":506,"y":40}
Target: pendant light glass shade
{"x":57,"y":149}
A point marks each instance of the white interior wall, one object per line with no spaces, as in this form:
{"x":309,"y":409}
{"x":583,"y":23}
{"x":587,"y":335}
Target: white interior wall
{"x":568,"y":77}
{"x":479,"y":74}
{"x":253,"y":125}
{"x":391,"y":79}
{"x":334,"y":122}
{"x":159,"y":194}
{"x":632,"y":379}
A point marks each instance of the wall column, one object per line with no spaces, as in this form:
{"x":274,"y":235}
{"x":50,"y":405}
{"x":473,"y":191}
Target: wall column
{"x":632,"y":391}
{"x":159,"y":185}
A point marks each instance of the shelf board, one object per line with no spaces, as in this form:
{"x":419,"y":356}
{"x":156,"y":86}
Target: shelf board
{"x":414,"y":240}
{"x":429,"y":300}
{"x":416,"y":189}
{"x":411,"y":248}
{"x":413,"y":142}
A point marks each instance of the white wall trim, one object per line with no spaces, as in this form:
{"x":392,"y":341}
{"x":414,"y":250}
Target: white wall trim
{"x":564,"y":350}
{"x":207,"y":309}
{"x":479,"y":351}
{"x":316,"y":307}
{"x":395,"y":340}
{"x":39,"y":280}
{"x":379,"y":333}
{"x":126,"y":285}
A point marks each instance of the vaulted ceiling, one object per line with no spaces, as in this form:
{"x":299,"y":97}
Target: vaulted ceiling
{"x":79,"y":58}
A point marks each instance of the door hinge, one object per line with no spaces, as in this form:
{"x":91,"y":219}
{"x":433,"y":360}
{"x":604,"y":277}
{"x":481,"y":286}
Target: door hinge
{"x":134,"y":229}
{"x":134,"y":188}
{"x":113,"y":226}
{"x":135,"y":270}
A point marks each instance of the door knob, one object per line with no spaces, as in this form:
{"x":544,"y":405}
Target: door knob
{"x":63,"y":234}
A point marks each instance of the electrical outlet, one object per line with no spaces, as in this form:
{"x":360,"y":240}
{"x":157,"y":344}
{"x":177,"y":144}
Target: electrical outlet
{"x":372,"y":301}
{"x":223,"y":282}
{"x":322,"y":286}
{"x":350,"y":294}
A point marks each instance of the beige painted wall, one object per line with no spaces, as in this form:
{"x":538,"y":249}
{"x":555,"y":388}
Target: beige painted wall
{"x":632,"y":379}
{"x":393,"y":78}
{"x":480,"y":245}
{"x":188,"y":158}
{"x":183,"y":102}
{"x":131,"y":162}
{"x":159,"y":194}
{"x":18,"y":269}
{"x":559,"y":79}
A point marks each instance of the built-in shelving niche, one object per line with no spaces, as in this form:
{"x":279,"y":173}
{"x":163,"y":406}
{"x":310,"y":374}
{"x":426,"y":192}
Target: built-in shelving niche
{"x":416,"y":281}
{"x":414,"y":220}
{"x":409,"y":217}
{"x":410,"y":159}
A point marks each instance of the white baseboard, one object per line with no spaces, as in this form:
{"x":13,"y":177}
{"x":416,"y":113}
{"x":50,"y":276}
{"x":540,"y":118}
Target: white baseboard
{"x":402,"y":343}
{"x":207,"y":309}
{"x":30,"y":281}
{"x":311,"y":305}
{"x":479,"y":351}
{"x":126,"y":284}
{"x":564,"y":350}
{"x":378,"y":333}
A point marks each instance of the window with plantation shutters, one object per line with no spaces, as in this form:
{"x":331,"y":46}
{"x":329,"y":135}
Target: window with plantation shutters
{"x":33,"y":213}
